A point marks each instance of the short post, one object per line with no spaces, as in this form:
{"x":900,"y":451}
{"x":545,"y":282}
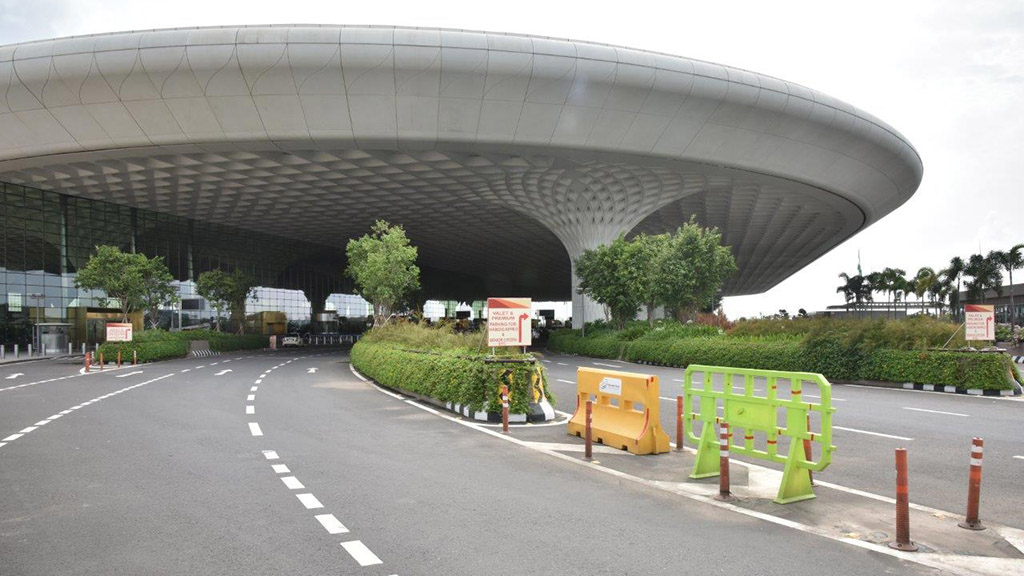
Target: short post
{"x":69,"y":348}
{"x":83,"y":348}
{"x":88,"y":361}
{"x":807,"y":450}
{"x":588,"y":450}
{"x":972,"y":522}
{"x":135,"y":357}
{"x":29,"y":350}
{"x":723,"y":464}
{"x":118,"y":357}
{"x":3,"y":351}
{"x":16,"y":352}
{"x":101,"y":361}
{"x":504,"y":408}
{"x":902,"y":505}
{"x":679,"y":423}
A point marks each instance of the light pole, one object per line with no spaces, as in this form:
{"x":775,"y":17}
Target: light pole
{"x":37,"y":338}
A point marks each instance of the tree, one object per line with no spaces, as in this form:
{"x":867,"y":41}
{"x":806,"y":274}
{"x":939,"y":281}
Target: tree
{"x":158,"y":289}
{"x":925,"y":282}
{"x":216,"y":287}
{"x":694,"y":268}
{"x":613,"y":275}
{"x":649,"y":254}
{"x":954,"y":273}
{"x":136,"y":282}
{"x":986,"y":274}
{"x":383,"y":266}
{"x":1011,"y":260}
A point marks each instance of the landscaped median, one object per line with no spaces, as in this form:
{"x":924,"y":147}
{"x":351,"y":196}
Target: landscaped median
{"x":152,"y":345}
{"x":452,"y":369}
{"x":876,"y":351}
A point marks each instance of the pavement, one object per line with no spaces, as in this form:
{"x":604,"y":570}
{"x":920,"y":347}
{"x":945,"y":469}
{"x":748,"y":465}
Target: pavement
{"x":288,"y":462}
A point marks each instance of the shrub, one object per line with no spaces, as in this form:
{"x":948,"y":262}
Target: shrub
{"x":447,"y":375}
{"x":960,"y":369}
{"x":152,"y":345}
{"x":599,"y":345}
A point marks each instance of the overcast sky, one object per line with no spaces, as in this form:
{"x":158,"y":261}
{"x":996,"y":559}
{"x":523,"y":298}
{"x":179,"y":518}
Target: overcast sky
{"x":949,"y":75}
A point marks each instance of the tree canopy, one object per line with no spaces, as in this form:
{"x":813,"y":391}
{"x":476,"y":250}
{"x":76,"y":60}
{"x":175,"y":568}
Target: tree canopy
{"x":228,"y":290}
{"x":383,"y":265}
{"x":135,"y":281}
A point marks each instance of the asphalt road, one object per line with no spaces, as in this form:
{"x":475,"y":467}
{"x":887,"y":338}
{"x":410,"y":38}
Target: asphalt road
{"x":288,"y":464}
{"x":870,"y":423}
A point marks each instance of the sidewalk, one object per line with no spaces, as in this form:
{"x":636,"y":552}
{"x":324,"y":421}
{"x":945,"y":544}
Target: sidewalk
{"x":852,"y":516}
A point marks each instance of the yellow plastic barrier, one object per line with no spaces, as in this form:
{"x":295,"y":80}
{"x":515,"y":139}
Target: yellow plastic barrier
{"x":625,"y":410}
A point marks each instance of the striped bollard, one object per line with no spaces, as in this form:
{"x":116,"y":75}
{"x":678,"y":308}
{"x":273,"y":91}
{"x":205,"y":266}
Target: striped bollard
{"x":135,"y":357}
{"x":807,"y":450}
{"x":723,"y":464}
{"x":118,"y":357}
{"x":504,"y":409}
{"x":679,"y":422}
{"x":101,"y":361}
{"x":88,"y":361}
{"x":902,"y":505}
{"x":588,"y":450}
{"x":972,"y":522}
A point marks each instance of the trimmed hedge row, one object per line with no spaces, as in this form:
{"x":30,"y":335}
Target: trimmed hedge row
{"x":448,"y":376}
{"x":825,"y":356}
{"x":152,"y":345}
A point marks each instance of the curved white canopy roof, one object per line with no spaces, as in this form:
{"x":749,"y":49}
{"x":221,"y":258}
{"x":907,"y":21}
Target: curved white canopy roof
{"x":490,"y":148}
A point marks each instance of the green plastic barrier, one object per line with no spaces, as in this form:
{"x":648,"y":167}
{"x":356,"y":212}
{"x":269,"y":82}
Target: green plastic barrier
{"x":749,"y":413}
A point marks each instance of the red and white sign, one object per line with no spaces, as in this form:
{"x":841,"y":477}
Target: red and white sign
{"x":980,"y":322}
{"x":508,"y":322}
{"x":119,"y":332}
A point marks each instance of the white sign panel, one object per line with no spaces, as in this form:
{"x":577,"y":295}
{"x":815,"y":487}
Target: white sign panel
{"x":508,"y":322}
{"x":119,"y":332}
{"x":610,"y":386}
{"x":980,"y":322}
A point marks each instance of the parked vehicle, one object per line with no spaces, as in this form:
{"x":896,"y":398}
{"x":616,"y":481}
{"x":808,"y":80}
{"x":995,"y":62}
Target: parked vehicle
{"x":291,"y":340}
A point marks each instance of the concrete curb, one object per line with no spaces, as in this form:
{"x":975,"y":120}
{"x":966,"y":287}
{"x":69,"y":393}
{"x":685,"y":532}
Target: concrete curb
{"x":38,"y":359}
{"x":202,"y":354}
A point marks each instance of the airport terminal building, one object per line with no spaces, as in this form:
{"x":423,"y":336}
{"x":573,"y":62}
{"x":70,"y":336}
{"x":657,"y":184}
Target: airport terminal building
{"x":504,"y":156}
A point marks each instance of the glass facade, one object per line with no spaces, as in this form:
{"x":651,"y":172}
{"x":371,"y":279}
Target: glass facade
{"x":46,"y":237}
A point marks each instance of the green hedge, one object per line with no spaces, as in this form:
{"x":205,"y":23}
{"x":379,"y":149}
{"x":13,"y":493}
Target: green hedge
{"x":831,"y":357}
{"x":152,"y":345}
{"x":448,"y":376}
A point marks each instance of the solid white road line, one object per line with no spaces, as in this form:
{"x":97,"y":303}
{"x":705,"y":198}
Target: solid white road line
{"x":331,"y":524}
{"x":292,"y":483}
{"x":608,"y":365}
{"x":280,"y":468}
{"x":270,"y":455}
{"x":361,"y":553}
{"x":254,"y":428}
{"x":309,"y":501}
{"x":937,"y":412}
{"x":128,"y":374}
{"x":250,"y":409}
{"x":872,"y":433}
{"x":566,"y":381}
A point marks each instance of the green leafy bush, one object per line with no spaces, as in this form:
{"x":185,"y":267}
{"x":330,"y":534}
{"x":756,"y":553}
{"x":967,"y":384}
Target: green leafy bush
{"x":448,"y":375}
{"x":960,"y":369}
{"x":152,"y":345}
{"x":598,"y":345}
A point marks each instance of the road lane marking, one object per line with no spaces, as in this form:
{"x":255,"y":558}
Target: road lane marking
{"x":566,"y":381}
{"x":14,"y":376}
{"x":331,"y":524}
{"x":41,"y":423}
{"x":309,"y":501}
{"x":872,"y":433}
{"x":280,"y":468}
{"x":258,"y":381}
{"x":608,"y":365}
{"x":361,"y":553}
{"x":128,"y":374}
{"x":253,"y":389}
{"x":250,"y":409}
{"x":250,"y":397}
{"x":270,"y":455}
{"x":12,"y":437}
{"x":937,"y":412}
{"x":562,"y":364}
{"x":1019,"y":457}
{"x":203,"y":366}
{"x":254,"y":428}
{"x":311,"y":371}
{"x":223,"y":372}
{"x":292,"y":483}
{"x":27,"y":430}
{"x":814,"y":396}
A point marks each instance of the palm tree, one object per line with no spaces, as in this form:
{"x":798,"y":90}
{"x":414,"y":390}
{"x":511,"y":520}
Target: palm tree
{"x":846,"y":287}
{"x":875,"y":283}
{"x":893,"y":282}
{"x":954,"y":273}
{"x":924,"y":281}
{"x":986,"y":274}
{"x":1011,"y":260}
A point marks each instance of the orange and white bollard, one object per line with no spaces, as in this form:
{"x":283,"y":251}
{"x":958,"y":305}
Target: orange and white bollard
{"x":504,"y":409}
{"x":972,"y":522}
{"x":902,"y":505}
{"x":679,"y":422}
{"x":135,"y":357}
{"x":101,"y":361}
{"x":88,"y":361}
{"x":118,"y":357}
{"x":723,"y":464}
{"x":807,"y":450}
{"x":588,"y":447}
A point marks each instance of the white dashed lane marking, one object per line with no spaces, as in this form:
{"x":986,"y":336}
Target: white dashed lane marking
{"x":331,"y":524}
{"x":361,"y":553}
{"x":565,"y":381}
{"x":13,"y":437}
{"x":292,"y":483}
{"x":309,"y":501}
{"x":250,"y":397}
{"x":270,"y":455}
{"x":280,"y":468}
{"x":254,"y":429}
{"x":253,"y":389}
{"x":937,"y":412}
{"x":250,"y":409}
{"x":872,"y":433}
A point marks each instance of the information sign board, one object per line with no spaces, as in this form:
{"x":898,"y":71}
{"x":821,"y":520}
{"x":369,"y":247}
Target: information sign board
{"x":508,"y":322}
{"x":980,"y":322}
{"x":117,"y":332}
